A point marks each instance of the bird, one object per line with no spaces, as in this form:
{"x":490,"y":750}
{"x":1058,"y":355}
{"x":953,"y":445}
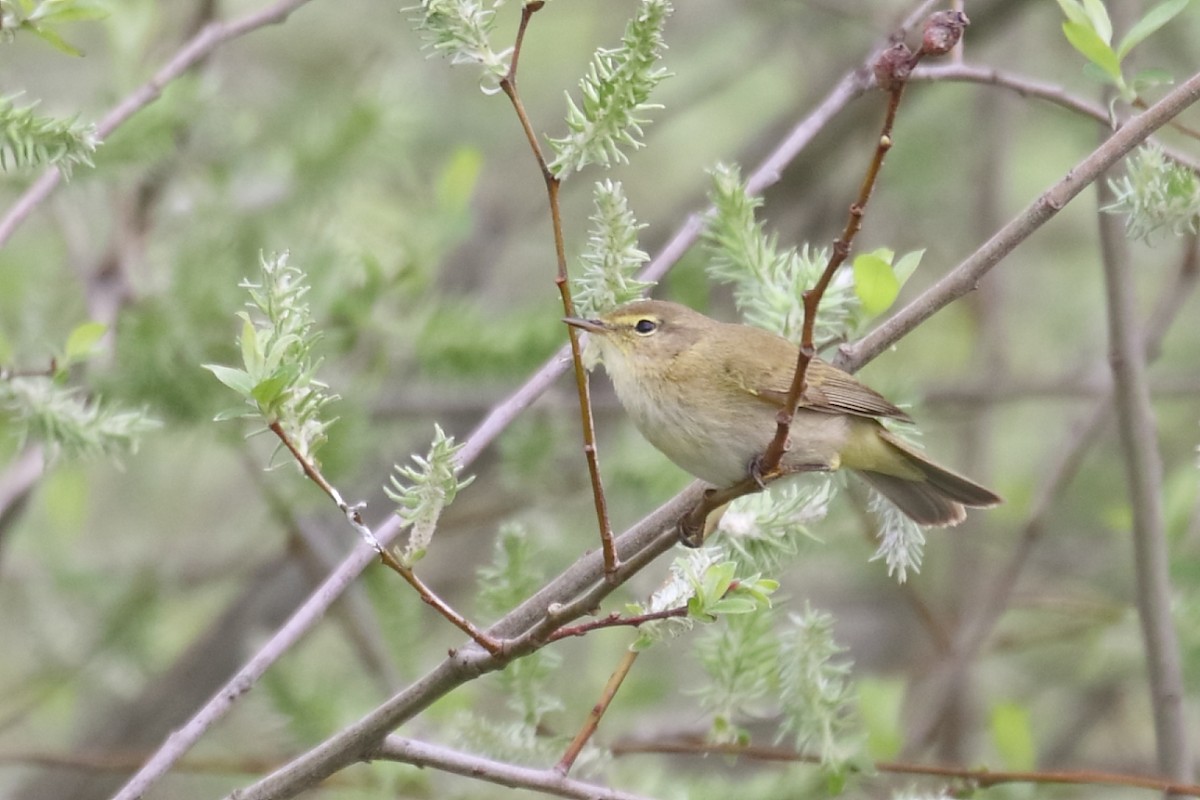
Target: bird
{"x":706,"y":394}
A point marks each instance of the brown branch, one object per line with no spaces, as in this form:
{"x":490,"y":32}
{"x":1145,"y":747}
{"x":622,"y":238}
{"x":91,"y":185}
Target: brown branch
{"x":593,"y":718}
{"x":546,"y":781}
{"x":354,"y":516}
{"x":993,"y":599}
{"x":615,"y":620}
{"x":979,"y":777}
{"x":509,"y":85}
{"x":1144,"y":476}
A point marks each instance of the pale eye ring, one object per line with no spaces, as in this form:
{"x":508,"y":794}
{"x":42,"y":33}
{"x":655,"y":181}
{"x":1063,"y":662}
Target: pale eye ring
{"x":645,"y":326}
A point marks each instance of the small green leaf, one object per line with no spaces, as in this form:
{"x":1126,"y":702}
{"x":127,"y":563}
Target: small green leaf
{"x":83,"y":340}
{"x":907,"y":265}
{"x":252,"y":357}
{"x":234,"y":413}
{"x":1093,"y":48}
{"x":1098,"y":17}
{"x":72,"y":13}
{"x":875,"y":283}
{"x":734,"y":605}
{"x":1073,"y":11}
{"x":1154,"y":19}
{"x":1013,"y":736}
{"x":266,"y":392}
{"x":237,"y":379}
{"x":53,"y":39}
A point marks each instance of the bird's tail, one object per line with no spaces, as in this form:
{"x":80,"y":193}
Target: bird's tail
{"x":936,"y":496}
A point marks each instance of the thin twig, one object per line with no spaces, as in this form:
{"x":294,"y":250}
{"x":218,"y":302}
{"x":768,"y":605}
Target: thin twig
{"x":593,"y":718}
{"x":546,"y":781}
{"x":615,"y":620}
{"x":980,"y":777}
{"x":572,"y":594}
{"x":354,"y":516}
{"x":509,"y":85}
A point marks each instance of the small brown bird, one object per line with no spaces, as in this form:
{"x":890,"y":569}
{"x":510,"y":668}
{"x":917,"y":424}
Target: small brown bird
{"x":706,"y":394}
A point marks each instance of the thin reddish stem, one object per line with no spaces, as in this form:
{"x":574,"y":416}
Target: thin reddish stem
{"x":509,"y":85}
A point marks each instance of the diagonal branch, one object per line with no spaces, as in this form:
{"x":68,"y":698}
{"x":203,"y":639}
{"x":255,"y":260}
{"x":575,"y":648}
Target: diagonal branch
{"x":547,"y":781}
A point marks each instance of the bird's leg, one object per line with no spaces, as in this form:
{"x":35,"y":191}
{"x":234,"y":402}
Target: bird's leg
{"x":691,"y":525}
{"x":754,"y":468}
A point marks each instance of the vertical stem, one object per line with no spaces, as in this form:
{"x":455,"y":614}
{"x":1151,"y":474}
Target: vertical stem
{"x":509,"y":85}
{"x":1143,"y":469}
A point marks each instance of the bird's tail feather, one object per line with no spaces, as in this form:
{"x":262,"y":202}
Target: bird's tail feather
{"x":937,"y":497}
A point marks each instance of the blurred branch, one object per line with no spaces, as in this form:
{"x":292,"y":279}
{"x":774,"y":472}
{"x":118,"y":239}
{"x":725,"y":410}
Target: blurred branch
{"x":16,"y":482}
{"x":1143,"y":470}
{"x":1079,"y":387}
{"x":994,"y":600}
{"x":981,"y":778}
{"x":546,"y":781}
{"x":1029,"y":87}
{"x":196,"y":50}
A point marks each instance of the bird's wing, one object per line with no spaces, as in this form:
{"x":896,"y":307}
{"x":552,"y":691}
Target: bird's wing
{"x":827,"y":389}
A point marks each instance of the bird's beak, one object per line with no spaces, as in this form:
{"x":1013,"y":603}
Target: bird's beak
{"x":589,"y":325}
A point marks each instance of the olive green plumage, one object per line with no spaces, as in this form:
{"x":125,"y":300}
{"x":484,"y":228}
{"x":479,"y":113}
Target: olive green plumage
{"x":706,"y":393}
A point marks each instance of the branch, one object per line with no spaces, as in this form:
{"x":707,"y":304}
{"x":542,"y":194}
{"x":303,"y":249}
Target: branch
{"x":1143,"y":470}
{"x":509,"y":85}
{"x":547,"y":781}
{"x":994,"y":599}
{"x":196,"y":50}
{"x":979,"y":777}
{"x":572,"y":594}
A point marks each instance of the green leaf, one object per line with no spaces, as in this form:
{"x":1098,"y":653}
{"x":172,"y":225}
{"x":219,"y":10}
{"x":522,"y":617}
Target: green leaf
{"x":53,"y":39}
{"x":72,"y":13}
{"x":1154,"y":19}
{"x":82,"y":341}
{"x":1073,"y":11}
{"x":875,"y":283}
{"x":237,"y":379}
{"x":241,"y":412}
{"x":266,"y":392}
{"x":907,"y":265}
{"x":1098,"y":17}
{"x":1013,"y":736}
{"x":734,"y":605}
{"x":252,"y":357}
{"x":1093,"y":48}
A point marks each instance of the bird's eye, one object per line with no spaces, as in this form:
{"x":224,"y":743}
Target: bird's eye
{"x":645,"y":326}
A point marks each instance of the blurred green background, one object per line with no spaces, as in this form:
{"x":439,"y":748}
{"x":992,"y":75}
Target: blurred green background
{"x":129,"y":590}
